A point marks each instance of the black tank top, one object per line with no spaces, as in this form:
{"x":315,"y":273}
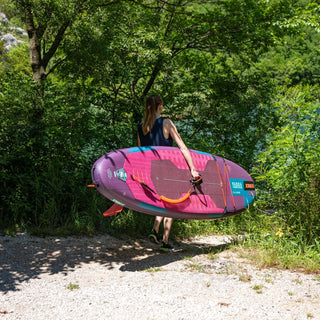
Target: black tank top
{"x":154,"y":137}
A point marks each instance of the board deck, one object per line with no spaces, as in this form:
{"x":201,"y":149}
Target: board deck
{"x":137,"y":177}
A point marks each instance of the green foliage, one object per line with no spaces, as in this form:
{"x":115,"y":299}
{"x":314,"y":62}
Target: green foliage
{"x":270,"y":250}
{"x":295,"y":60}
{"x":230,"y":94}
{"x":290,"y":163}
{"x":46,"y":164}
{"x":130,"y":224}
{"x":306,"y":14}
{"x":8,"y":8}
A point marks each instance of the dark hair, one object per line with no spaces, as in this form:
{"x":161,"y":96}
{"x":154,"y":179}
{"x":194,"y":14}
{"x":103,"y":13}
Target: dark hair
{"x":150,"y":114}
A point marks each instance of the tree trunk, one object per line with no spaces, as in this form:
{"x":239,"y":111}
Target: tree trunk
{"x":35,"y":47}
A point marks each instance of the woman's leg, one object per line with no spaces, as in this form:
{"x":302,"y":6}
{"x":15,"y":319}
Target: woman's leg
{"x":156,"y":224}
{"x":167,"y":223}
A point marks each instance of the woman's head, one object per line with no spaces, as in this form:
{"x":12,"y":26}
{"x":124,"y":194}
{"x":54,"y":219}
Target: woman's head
{"x":152,"y":105}
{"x":153,"y":102}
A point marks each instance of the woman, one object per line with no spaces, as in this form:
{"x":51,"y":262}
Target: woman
{"x":158,"y":131}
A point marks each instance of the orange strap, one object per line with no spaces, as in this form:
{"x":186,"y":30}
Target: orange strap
{"x":173,"y":201}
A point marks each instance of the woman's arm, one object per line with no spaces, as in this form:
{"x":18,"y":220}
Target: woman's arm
{"x":170,"y":128}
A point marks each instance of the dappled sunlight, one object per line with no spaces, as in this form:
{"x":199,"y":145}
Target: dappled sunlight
{"x":24,"y":257}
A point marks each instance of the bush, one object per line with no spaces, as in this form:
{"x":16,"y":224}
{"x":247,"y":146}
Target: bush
{"x":290,"y":166}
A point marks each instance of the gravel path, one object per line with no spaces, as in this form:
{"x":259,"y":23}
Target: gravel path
{"x":107,"y":278}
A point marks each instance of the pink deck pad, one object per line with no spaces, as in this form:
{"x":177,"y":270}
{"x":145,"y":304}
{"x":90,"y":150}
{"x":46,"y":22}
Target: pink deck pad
{"x":139,"y":164}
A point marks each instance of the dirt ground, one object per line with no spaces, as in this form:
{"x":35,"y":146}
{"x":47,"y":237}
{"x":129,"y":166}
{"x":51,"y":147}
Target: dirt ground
{"x":103,"y":277}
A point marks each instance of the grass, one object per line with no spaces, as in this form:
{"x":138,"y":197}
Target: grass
{"x":153,"y":269}
{"x":280,"y":255}
{"x":196,"y":267}
{"x":72,"y":286}
{"x":258,"y":288}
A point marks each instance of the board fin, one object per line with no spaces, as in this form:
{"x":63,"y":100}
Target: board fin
{"x":113,"y":210}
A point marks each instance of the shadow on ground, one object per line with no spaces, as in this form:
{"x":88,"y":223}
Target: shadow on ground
{"x":24,"y":257}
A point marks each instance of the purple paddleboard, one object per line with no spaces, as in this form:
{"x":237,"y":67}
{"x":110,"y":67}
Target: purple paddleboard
{"x":156,"y":181}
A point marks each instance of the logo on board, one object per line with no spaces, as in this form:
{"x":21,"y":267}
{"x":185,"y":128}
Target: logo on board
{"x":122,"y":175}
{"x":237,"y":185}
{"x":241,"y":187}
{"x":249,"y":185}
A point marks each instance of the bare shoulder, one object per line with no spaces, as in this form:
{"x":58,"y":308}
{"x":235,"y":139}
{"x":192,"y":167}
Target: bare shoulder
{"x":168,"y":124}
{"x":167,"y":121}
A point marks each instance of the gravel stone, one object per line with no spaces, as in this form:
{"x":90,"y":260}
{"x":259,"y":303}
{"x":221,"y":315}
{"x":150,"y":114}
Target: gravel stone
{"x":103,"y":277}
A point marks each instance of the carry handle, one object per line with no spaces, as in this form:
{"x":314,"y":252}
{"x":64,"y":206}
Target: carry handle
{"x":196,"y":181}
{"x":175,"y":201}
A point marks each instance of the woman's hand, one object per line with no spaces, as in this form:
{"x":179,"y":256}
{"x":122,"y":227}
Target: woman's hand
{"x":195,"y":173}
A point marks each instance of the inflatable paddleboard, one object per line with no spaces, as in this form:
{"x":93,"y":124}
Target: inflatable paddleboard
{"x":157,"y":181}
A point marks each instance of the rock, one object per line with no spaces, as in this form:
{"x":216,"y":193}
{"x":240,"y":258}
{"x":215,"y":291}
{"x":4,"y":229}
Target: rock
{"x":3,"y":18}
{"x":19,"y":31}
{"x":9,"y":40}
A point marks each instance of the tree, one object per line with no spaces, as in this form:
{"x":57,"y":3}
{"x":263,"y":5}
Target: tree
{"x":46,"y":24}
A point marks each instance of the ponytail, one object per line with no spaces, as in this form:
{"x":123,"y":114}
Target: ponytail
{"x":151,"y":107}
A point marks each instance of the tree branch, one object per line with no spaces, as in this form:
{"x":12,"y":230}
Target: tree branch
{"x":55,"y":65}
{"x":157,"y":68}
{"x":57,"y":40}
